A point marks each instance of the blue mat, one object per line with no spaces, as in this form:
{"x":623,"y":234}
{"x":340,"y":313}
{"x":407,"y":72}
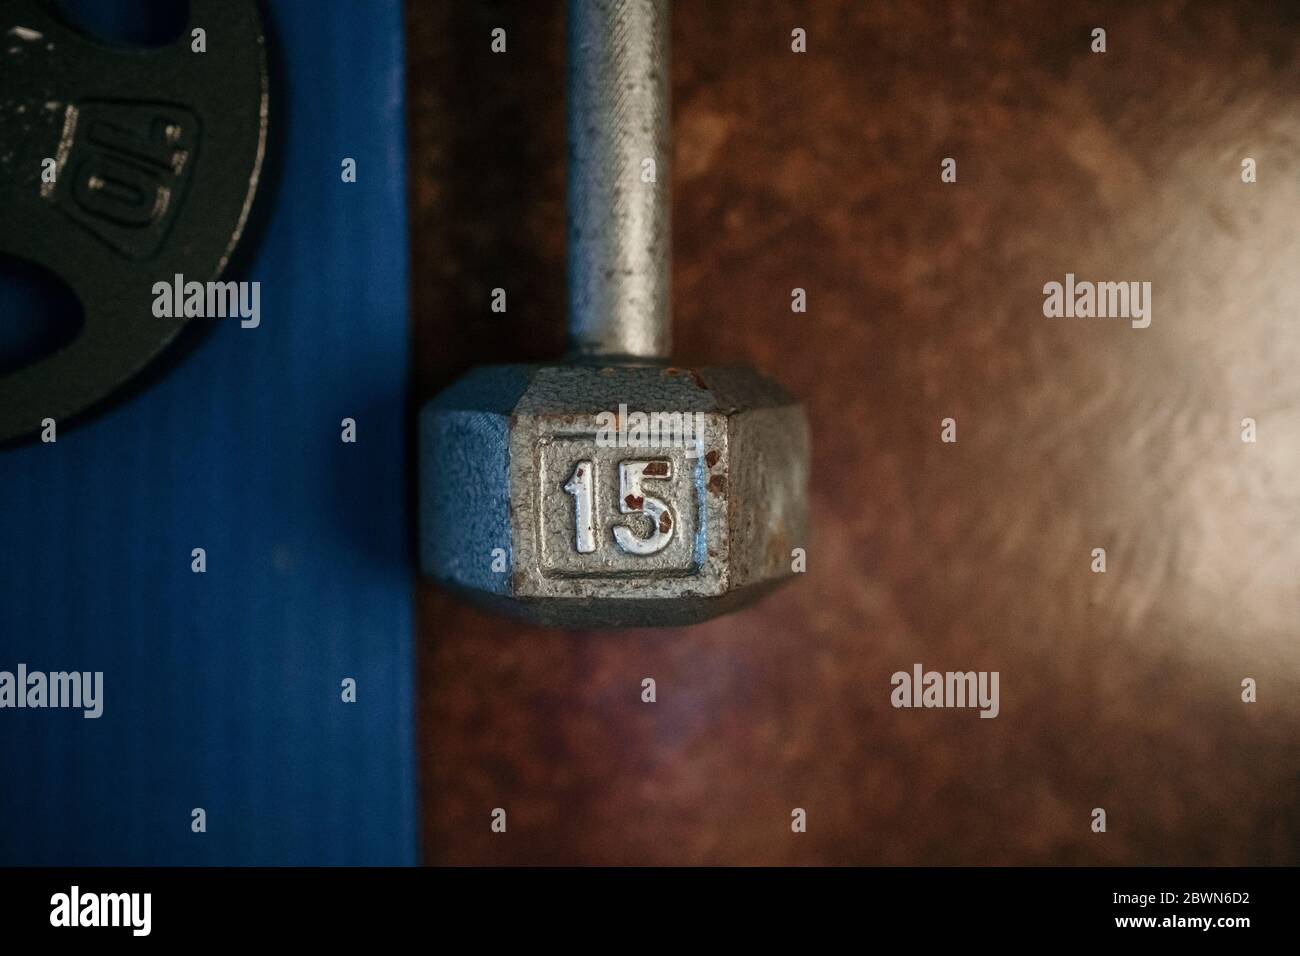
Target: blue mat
{"x":222,"y":690}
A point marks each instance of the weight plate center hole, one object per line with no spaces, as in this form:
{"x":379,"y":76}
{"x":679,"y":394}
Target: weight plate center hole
{"x":39,"y":314}
{"x":128,"y":23}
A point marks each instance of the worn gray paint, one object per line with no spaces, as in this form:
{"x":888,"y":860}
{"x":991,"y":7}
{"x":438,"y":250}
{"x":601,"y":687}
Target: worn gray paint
{"x":497,"y":448}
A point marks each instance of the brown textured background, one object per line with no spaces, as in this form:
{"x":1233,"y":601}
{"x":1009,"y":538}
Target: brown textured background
{"x":821,"y":171}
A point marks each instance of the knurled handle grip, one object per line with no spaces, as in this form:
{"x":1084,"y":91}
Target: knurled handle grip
{"x":619,"y":227}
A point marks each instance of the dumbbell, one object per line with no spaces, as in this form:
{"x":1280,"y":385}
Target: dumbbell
{"x":615,"y":489}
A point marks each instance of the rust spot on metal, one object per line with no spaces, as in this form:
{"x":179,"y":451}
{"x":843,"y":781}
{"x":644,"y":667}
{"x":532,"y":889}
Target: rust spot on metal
{"x":578,"y":473}
{"x":656,"y":469}
{"x":665,"y":522}
{"x":634,"y":502}
{"x":670,"y":370}
{"x":711,"y":458}
{"x":718,"y":484}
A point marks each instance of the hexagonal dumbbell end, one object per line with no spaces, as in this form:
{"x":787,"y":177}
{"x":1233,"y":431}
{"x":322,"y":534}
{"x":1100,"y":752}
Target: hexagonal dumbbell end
{"x":612,"y":496}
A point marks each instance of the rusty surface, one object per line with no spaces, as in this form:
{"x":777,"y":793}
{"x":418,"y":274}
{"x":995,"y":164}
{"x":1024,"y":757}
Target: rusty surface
{"x":821,"y":171}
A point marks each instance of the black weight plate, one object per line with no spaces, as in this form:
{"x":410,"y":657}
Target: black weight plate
{"x":158,"y":153}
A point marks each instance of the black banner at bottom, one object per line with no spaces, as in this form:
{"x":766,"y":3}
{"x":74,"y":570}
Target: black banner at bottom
{"x":469,"y":905}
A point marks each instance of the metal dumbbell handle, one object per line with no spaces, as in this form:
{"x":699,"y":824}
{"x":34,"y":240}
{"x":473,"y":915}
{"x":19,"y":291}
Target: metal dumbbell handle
{"x":620,"y":235}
